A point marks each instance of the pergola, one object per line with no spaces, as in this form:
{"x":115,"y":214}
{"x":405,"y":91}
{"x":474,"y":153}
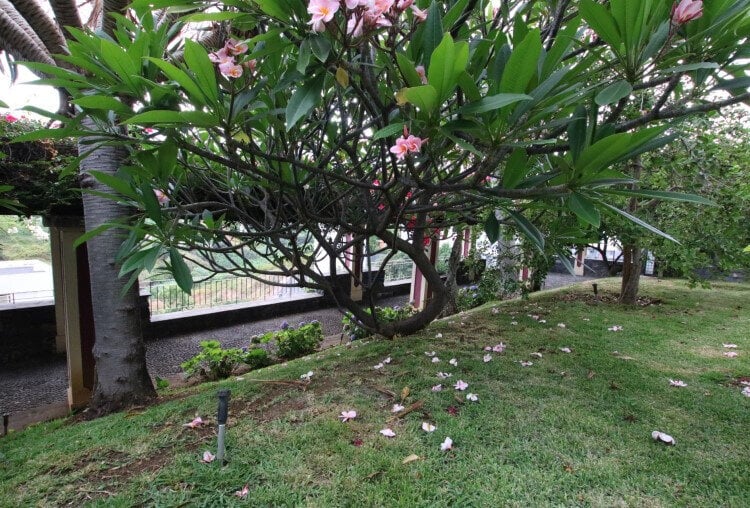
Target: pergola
{"x":34,"y":169}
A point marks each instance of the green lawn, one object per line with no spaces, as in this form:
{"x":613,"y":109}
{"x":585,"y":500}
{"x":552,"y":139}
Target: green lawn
{"x":572,"y":429}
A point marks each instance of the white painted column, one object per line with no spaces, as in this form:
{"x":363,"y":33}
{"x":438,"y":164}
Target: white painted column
{"x":420,"y":291}
{"x":57,"y":281}
{"x":578,"y":268}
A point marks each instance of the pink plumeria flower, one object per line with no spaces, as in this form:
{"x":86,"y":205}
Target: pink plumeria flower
{"x":435,"y":359}
{"x":419,"y":14}
{"x":208,"y":457}
{"x":565,"y":349}
{"x":347,"y":415}
{"x":430,"y":353}
{"x":453,"y":362}
{"x":353,"y":4}
{"x":161,"y":197}
{"x":388,"y":433}
{"x":487,"y":358}
{"x":421,"y":73}
{"x":488,"y":348}
{"x":615,"y":328}
{"x":473,"y":397}
{"x":397,"y":408}
{"x":355,"y":25}
{"x":428,"y":427}
{"x":400,"y":149}
{"x":498,"y":348}
{"x":730,"y":346}
{"x":535,"y":317}
{"x":444,"y":375}
{"x":437,"y":388}
{"x":235,"y":47}
{"x":731,"y":354}
{"x":461,"y":385}
{"x":10,"y":118}
{"x":242,"y":494}
{"x":322,"y":12}
{"x":230,"y":69}
{"x":197,"y":422}
{"x":678,"y":383}
{"x":536,"y":355}
{"x":221,"y":56}
{"x":526,"y":364}
{"x":414,"y":143}
{"x":446,"y":445}
{"x":561,"y":325}
{"x":686,"y":10}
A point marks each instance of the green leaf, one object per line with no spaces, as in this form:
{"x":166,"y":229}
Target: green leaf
{"x":690,"y":67}
{"x":493,"y":102}
{"x":584,"y":209}
{"x":433,"y":33}
{"x":492,"y":227}
{"x":121,"y":63}
{"x":3,"y":105}
{"x":665,"y":195}
{"x":198,"y":62}
{"x":303,"y":100}
{"x":303,"y":59}
{"x":641,"y":223}
{"x":613,"y":93}
{"x":529,"y":230}
{"x":515,"y":169}
{"x":104,"y":102}
{"x":522,"y":65}
{"x":150,"y":203}
{"x":276,"y":8}
{"x":448,"y":61}
{"x":577,"y":132}
{"x":408,"y":69}
{"x":601,"y":21}
{"x":88,"y":235}
{"x":181,"y":78}
{"x":211,"y":16}
{"x":195,"y":118}
{"x":117,"y":184}
{"x":320,"y":47}
{"x":389,"y":130}
{"x":424,"y":97}
{"x":180,"y":271}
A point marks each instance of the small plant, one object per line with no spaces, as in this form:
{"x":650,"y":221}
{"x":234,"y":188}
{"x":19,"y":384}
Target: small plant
{"x":494,"y":284}
{"x":213,"y":362}
{"x":256,"y":358}
{"x":387,"y":314}
{"x":161,"y":383}
{"x":294,"y":342}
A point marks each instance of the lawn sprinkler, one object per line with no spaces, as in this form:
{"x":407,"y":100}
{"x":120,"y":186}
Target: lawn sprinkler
{"x":222,"y":419}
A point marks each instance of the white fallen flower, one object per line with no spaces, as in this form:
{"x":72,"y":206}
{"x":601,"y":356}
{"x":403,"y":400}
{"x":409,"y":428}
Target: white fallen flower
{"x":387,"y":360}
{"x":446,"y":445}
{"x":307,"y":376}
{"x":487,"y":358}
{"x":536,"y":355}
{"x":437,"y":388}
{"x":438,"y":335}
{"x":388,"y":433}
{"x":677,"y":383}
{"x":730,"y":346}
{"x":435,"y":359}
{"x":472,"y":397}
{"x":615,"y":328}
{"x":514,"y":323}
{"x":430,"y":353}
{"x":730,"y":354}
{"x":663,"y":438}
{"x":378,"y":366}
{"x":586,"y":319}
{"x":542,"y":321}
{"x":495,"y":310}
{"x":561,"y":325}
{"x":453,"y":362}
{"x":746,"y":391}
{"x":208,"y":457}
{"x":428,"y":427}
{"x":397,"y":408}
{"x":526,"y":364}
{"x":565,"y":349}
{"x":444,"y":375}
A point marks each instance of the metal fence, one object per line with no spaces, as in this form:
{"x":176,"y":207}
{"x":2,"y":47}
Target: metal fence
{"x":25,"y":297}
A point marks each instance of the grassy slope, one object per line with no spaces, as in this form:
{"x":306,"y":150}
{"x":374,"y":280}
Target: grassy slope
{"x":572,"y":429}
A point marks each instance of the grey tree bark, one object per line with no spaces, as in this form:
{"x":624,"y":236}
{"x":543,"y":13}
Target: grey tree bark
{"x":119,"y":352}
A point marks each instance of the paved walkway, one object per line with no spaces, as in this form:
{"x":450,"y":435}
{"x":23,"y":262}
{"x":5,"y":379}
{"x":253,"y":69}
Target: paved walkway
{"x":34,"y":384}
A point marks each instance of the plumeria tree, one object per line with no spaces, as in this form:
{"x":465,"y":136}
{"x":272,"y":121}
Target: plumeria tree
{"x":318,"y":126}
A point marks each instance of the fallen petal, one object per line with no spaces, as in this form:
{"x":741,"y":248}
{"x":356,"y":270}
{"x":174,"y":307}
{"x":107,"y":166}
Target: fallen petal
{"x":446,"y":445}
{"x":438,"y":335}
{"x":730,"y":346}
{"x":730,"y":354}
{"x":561,"y":325}
{"x":208,"y":457}
{"x":387,"y":360}
{"x":435,"y":359}
{"x":565,"y":349}
{"x":430,"y":353}
{"x":378,"y":366}
{"x":453,"y":362}
{"x":347,"y":415}
{"x":487,"y":358}
{"x":397,"y":408}
{"x":536,"y":355}
{"x":197,"y":422}
{"x":437,"y":388}
{"x":526,"y":364}
{"x":242,"y":494}
{"x":677,"y":383}
{"x":472,"y":397}
{"x":388,"y":433}
{"x":428,"y":427}
{"x":663,"y":438}
{"x":746,"y":391}
{"x":461,"y":385}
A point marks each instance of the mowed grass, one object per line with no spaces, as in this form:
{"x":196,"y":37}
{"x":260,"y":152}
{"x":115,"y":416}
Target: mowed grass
{"x":572,"y":429}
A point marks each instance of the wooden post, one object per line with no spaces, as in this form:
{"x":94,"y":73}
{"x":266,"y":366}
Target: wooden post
{"x":420,"y":292}
{"x":57,"y":284}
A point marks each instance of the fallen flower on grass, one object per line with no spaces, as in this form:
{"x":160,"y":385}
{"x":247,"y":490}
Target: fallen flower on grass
{"x":446,"y":445}
{"x":397,"y":408}
{"x":677,"y":383}
{"x":453,"y":362}
{"x":586,"y":319}
{"x":615,"y":328}
{"x":357,"y":441}
{"x":730,"y":354}
{"x":435,"y":359}
{"x":430,"y":353}
{"x":498,"y":348}
{"x":473,"y":397}
{"x":536,"y":355}
{"x":526,"y":364}
{"x":387,"y":360}
{"x":452,"y":410}
{"x":542,"y":321}
{"x":663,"y":438}
{"x":487,"y":358}
{"x":347,"y":415}
{"x":378,"y":366}
{"x":514,"y":323}
{"x":437,"y":388}
{"x":428,"y":427}
{"x":488,"y":348}
{"x":746,"y":391}
{"x":730,"y":346}
{"x":307,"y":376}
{"x":438,"y":335}
{"x":388,"y":433}
{"x":242,"y":494}
{"x":565,"y":349}
{"x":208,"y":457}
{"x":561,"y":325}
{"x":444,"y":375}
{"x":461,"y":385}
{"x":495,"y":310}
{"x":197,"y":422}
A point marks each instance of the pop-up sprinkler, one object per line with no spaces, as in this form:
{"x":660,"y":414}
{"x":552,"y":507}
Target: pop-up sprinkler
{"x":222,"y":419}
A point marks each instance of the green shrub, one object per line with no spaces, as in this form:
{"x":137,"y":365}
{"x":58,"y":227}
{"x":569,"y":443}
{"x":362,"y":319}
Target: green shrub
{"x":294,"y":342}
{"x":388,"y":314}
{"x":257,"y":358}
{"x":213,"y":362}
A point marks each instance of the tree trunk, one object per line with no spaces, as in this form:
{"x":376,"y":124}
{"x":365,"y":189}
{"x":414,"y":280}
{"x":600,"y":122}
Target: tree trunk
{"x":121,"y":375}
{"x":631,"y":273}
{"x":451,"y":288}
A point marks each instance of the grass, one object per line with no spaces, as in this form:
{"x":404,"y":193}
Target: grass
{"x":573,"y":429}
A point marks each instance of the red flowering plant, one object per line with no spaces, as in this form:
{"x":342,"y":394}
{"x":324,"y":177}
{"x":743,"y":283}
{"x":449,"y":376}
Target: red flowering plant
{"x":313,"y":127}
